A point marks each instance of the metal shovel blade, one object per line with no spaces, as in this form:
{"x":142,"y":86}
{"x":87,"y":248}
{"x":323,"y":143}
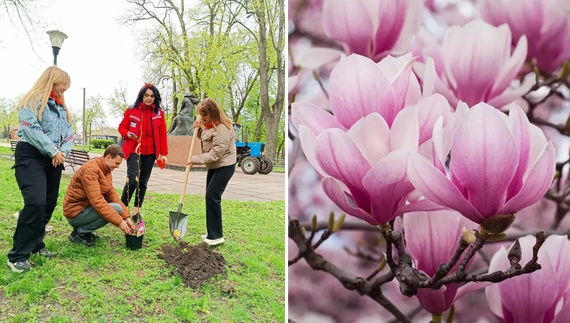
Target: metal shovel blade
{"x":178,"y":224}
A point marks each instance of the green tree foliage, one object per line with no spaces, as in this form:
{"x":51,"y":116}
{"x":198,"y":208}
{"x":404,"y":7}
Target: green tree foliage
{"x":118,"y":101}
{"x":212,"y":48}
{"x":8,"y":117}
{"x":94,"y":113}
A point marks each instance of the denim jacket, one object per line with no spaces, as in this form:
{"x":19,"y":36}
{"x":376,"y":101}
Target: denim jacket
{"x":49,"y":135}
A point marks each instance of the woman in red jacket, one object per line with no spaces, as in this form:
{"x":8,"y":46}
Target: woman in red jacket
{"x":144,"y":133}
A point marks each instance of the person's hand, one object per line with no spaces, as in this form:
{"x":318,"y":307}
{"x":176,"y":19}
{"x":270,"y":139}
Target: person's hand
{"x":197,"y":123}
{"x":131,"y":135}
{"x":130,"y":224}
{"x":189,"y":163}
{"x":125,"y":227}
{"x":164,"y":160}
{"x":58,"y":159}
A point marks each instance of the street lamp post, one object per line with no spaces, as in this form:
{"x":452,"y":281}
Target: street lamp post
{"x":83,"y":125}
{"x":57,"y":38}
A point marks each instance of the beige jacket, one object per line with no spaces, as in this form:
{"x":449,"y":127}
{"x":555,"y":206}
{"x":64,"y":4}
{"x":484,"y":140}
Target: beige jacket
{"x":218,"y":147}
{"x":92,"y":185}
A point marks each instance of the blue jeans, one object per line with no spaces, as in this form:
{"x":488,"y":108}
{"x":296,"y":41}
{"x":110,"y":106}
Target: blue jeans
{"x":89,"y":220}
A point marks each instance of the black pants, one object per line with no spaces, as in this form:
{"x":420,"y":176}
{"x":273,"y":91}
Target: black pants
{"x":38,"y":181}
{"x":216,"y":182}
{"x":146,"y":164}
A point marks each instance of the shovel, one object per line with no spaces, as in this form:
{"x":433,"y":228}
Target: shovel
{"x":179,"y":221}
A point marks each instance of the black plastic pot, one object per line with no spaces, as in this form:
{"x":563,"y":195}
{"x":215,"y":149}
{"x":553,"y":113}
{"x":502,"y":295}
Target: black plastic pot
{"x":134,"y":242}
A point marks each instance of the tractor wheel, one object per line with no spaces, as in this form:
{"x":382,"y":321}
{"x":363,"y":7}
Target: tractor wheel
{"x":249,"y":165}
{"x":265,"y":165}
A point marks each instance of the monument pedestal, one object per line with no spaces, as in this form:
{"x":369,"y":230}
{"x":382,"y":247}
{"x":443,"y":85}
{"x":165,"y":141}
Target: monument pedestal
{"x":178,"y":149}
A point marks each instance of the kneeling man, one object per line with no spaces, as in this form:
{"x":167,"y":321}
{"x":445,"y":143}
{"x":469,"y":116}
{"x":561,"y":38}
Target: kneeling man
{"x":91,"y":200}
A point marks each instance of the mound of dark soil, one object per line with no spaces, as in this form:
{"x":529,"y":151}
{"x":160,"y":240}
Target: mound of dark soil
{"x":195,"y":264}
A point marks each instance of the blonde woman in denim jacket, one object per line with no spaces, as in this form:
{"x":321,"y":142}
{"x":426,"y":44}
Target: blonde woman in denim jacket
{"x":46,"y":138}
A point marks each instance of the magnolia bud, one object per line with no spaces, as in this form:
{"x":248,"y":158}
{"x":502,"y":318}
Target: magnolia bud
{"x":468,"y":236}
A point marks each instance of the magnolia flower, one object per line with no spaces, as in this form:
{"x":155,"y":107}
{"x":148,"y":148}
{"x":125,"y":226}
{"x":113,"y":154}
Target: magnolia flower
{"x":372,"y":28}
{"x":359,"y":87}
{"x":361,"y":149}
{"x":542,"y":22}
{"x":478,"y":65}
{"x":364,"y":167}
{"x":541,"y":296}
{"x":498,"y":165}
{"x":431,"y":240}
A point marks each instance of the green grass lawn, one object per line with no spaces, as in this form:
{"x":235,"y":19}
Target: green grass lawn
{"x":109,"y":283}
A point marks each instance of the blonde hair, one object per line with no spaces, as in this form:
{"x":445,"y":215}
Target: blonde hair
{"x":42,"y":89}
{"x":211,"y":107}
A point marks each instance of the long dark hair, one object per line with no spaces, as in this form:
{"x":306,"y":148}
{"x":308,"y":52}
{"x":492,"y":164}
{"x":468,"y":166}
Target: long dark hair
{"x":157,"y":98}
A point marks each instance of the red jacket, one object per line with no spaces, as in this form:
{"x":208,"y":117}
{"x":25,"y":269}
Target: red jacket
{"x":132,"y":121}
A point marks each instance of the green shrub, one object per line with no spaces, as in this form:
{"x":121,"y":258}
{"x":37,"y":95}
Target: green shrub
{"x":101,"y":143}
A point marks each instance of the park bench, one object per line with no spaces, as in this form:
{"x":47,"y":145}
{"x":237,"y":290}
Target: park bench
{"x":13,"y":144}
{"x":77,"y":158}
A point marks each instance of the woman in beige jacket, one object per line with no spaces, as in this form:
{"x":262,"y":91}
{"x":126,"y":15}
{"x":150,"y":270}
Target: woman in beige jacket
{"x":219,"y":156}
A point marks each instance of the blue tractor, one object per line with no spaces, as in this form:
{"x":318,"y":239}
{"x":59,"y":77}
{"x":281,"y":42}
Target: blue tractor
{"x":250,"y":154}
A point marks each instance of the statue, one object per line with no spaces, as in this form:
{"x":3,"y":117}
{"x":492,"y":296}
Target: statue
{"x":183,"y":123}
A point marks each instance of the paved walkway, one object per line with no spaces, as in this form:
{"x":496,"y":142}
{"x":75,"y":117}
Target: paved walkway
{"x":242,"y":187}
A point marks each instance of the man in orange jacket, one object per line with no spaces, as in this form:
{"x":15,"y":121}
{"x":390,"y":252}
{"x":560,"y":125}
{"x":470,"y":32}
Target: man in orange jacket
{"x":91,"y":200}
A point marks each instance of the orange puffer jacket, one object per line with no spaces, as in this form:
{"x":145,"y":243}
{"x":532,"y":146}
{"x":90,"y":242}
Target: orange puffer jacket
{"x":92,"y":184}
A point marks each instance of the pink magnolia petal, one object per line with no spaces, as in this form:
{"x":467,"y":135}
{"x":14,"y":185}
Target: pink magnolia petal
{"x":564,"y":315}
{"x":414,"y":93}
{"x":429,"y":78}
{"x":412,"y":22}
{"x":434,"y":236}
{"x":308,"y":139}
{"x":392,"y":67}
{"x":509,"y":71}
{"x":391,"y":17}
{"x":521,"y":133}
{"x":313,"y":116}
{"x":437,"y":301}
{"x":372,"y":136}
{"x":531,"y":296}
{"x":484,"y":158}
{"x":292,"y":82}
{"x":349,"y":23}
{"x":315,"y":57}
{"x":344,"y":200}
{"x":405,"y":133}
{"x":492,"y":292}
{"x":439,"y":86}
{"x":476,"y":76}
{"x":388,"y":185}
{"x":430,"y":109}
{"x":537,"y":144}
{"x":511,"y":94}
{"x":536,"y":184}
{"x":558,"y":248}
{"x":400,"y":88}
{"x":436,"y":187}
{"x":340,"y":158}
{"x":424,"y":205}
{"x":358,"y":88}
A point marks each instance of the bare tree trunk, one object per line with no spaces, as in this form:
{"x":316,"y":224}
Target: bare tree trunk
{"x":174,"y":97}
{"x":271,"y":113}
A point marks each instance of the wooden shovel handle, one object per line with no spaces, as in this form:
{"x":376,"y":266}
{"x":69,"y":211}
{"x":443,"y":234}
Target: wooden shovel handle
{"x":194,"y":137}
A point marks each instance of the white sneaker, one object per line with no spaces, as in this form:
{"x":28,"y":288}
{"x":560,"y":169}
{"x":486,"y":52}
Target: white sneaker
{"x":204,"y":236}
{"x":214,"y":242}
{"x":17,"y":215}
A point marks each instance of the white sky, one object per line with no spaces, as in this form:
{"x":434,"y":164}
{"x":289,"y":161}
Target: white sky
{"x":98,"y":53}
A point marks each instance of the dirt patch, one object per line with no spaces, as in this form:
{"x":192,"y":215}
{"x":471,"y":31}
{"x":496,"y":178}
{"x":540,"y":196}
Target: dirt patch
{"x":195,"y":264}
